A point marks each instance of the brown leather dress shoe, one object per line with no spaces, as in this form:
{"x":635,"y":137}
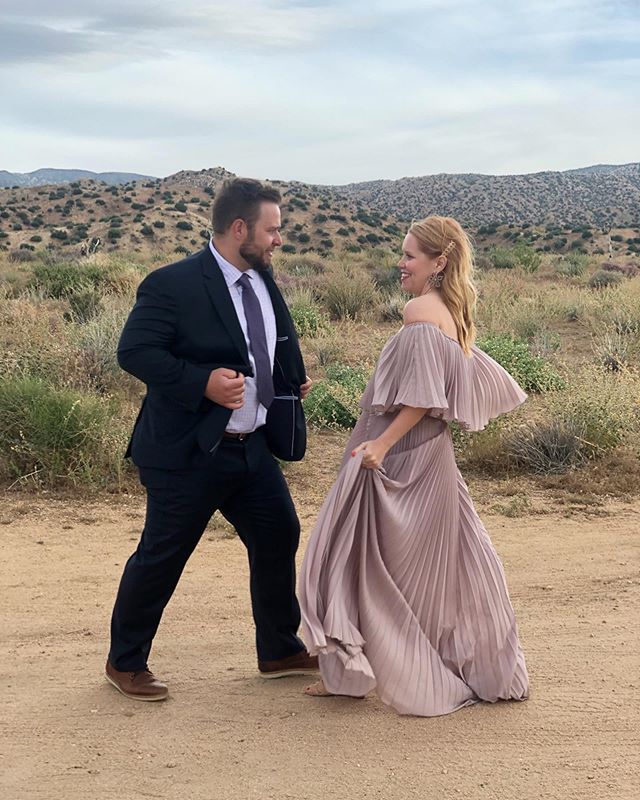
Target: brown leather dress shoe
{"x":298,"y":664}
{"x":139,"y":685}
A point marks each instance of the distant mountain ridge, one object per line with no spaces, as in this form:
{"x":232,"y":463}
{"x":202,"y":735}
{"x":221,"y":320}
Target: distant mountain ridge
{"x":46,"y":176}
{"x":604,"y":195}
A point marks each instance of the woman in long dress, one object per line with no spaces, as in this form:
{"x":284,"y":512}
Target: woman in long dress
{"x":401,"y":589}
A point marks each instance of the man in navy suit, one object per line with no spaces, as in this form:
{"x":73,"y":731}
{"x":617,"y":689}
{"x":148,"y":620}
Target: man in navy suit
{"x":212,"y":339}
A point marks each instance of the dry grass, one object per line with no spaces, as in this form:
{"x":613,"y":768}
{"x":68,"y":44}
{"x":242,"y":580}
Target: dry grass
{"x":591,"y":336}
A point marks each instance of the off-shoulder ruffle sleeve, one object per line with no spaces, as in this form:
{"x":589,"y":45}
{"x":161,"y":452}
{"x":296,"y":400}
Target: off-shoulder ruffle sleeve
{"x":422,"y":367}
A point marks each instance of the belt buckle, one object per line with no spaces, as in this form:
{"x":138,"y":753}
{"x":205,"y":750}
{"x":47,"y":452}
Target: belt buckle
{"x":242,"y":436}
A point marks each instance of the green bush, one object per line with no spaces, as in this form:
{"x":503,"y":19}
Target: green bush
{"x":572,"y":265}
{"x":308,"y":318}
{"x":61,"y":279}
{"x":502,"y":258}
{"x":334,"y":402}
{"x":528,"y":258}
{"x":533,"y":373}
{"x":57,"y":436}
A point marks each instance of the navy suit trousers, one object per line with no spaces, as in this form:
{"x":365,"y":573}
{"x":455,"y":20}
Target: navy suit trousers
{"x":244,"y":482}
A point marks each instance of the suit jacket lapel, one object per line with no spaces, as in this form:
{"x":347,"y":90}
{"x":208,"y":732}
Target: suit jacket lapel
{"x":218,"y":292}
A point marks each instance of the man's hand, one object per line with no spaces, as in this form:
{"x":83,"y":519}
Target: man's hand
{"x":226,"y":388}
{"x":373,"y":453}
{"x":304,"y":389}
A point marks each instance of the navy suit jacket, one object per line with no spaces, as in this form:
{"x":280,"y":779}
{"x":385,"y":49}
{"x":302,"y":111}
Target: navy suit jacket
{"x":182,"y":326}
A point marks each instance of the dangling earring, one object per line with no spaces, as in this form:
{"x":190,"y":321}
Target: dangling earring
{"x":435,"y":280}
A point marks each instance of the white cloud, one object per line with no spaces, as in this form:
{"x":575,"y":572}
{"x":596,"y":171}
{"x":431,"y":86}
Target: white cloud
{"x":323,"y":91}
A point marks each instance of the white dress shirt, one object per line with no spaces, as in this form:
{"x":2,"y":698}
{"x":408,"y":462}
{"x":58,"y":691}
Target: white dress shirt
{"x":252,"y":414}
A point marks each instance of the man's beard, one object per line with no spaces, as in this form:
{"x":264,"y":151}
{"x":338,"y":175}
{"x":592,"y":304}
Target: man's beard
{"x":254,"y":257}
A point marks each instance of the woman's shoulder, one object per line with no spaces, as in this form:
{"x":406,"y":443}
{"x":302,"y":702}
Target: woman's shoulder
{"x":430,"y":310}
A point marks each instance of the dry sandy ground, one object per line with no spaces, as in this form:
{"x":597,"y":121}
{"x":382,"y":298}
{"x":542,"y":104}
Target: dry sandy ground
{"x":225,"y":734}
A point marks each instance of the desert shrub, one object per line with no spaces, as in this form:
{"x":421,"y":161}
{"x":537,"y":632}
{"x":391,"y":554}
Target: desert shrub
{"x":386,"y":277}
{"x":308,"y":317}
{"x":626,"y":321}
{"x":614,"y":351}
{"x":392,"y":308}
{"x":21,"y":256}
{"x":483,"y":450}
{"x":546,"y":447}
{"x":303,"y":266}
{"x":579,"y":423}
{"x":35,"y":340}
{"x":533,"y":373}
{"x":84,"y":303}
{"x":60,"y":279}
{"x":328,"y":347}
{"x":525,"y":321}
{"x":528,"y":258}
{"x":544,"y":343}
{"x":572,"y":265}
{"x":601,"y":279}
{"x":97,"y":342}
{"x":502,"y":258}
{"x":333,"y":402}
{"x":55,"y":436}
{"x":349,"y":294}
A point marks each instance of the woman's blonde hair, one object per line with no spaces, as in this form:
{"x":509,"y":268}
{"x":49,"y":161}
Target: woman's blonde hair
{"x":438,"y":236}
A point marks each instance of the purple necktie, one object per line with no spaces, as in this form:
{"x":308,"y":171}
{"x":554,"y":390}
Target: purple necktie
{"x":257,"y":341}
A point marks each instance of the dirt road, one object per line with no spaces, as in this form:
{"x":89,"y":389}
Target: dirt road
{"x":225,"y":734}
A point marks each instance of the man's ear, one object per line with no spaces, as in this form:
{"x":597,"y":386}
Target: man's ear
{"x":238,"y":229}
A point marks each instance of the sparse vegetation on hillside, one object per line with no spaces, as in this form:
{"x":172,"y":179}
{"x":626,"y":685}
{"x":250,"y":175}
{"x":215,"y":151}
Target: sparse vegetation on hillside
{"x":513,"y":228}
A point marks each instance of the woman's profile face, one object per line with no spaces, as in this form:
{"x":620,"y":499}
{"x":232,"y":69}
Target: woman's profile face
{"x":415,"y":266}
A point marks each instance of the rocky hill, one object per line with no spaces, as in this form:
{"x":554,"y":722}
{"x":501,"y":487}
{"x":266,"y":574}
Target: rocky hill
{"x":172,"y":215}
{"x":602,"y":195}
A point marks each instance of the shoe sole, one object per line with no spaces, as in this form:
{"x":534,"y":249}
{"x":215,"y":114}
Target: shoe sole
{"x":268,"y":676}
{"x":150,"y":699}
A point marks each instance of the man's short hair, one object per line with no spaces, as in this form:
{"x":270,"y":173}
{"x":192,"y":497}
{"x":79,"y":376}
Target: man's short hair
{"x":240,"y":198}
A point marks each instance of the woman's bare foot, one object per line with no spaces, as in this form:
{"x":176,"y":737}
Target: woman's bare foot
{"x":317,"y":689}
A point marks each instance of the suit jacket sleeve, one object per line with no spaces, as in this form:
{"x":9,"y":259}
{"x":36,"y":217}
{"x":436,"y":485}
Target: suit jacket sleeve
{"x":145,"y":347}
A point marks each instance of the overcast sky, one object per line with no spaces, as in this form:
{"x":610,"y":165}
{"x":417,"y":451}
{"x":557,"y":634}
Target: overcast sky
{"x":326,"y":92}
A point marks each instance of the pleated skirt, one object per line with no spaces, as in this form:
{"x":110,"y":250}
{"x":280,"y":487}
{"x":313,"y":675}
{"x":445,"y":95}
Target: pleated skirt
{"x":401,"y":589}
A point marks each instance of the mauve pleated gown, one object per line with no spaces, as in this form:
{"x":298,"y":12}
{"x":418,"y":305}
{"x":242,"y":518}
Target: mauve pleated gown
{"x":401,"y":589}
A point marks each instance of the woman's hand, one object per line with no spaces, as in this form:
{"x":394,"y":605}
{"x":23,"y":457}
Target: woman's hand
{"x":305,"y":387}
{"x":373,"y":453}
